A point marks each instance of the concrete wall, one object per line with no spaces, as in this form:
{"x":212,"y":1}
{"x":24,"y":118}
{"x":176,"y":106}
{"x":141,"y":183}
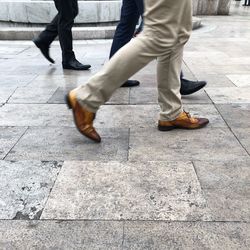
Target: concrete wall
{"x":211,"y":7}
{"x":93,"y":13}
{"x":41,"y":12}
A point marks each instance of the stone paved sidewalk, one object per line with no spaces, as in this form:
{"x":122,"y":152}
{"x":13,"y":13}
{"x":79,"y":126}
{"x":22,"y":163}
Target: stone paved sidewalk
{"x":140,"y":188}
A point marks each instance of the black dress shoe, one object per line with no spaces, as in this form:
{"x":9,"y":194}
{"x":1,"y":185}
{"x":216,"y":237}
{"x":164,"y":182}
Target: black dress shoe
{"x":75,"y":65}
{"x":190,"y":87}
{"x":130,"y":83}
{"x":44,"y":49}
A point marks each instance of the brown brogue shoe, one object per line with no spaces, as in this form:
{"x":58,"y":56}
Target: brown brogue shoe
{"x":83,"y":118}
{"x":183,"y":121}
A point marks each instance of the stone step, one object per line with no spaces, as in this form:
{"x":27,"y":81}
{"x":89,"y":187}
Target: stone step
{"x":79,"y":33}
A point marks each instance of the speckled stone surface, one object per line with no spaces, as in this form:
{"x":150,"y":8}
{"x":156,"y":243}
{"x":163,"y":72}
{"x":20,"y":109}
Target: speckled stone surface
{"x":140,"y":188}
{"x":130,"y":191}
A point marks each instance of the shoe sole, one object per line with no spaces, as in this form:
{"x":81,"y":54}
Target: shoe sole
{"x":67,"y":100}
{"x":164,"y":128}
{"x":70,"y":68}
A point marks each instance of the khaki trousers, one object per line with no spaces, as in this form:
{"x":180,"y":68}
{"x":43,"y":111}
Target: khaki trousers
{"x":168,"y":24}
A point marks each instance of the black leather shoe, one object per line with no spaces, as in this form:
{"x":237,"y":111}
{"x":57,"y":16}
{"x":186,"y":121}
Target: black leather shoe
{"x":130,"y":83}
{"x":44,"y":49}
{"x":190,"y":87}
{"x":75,"y":65}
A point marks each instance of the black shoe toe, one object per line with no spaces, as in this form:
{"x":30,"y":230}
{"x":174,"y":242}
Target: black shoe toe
{"x":130,"y":83}
{"x":44,"y":50}
{"x":190,"y":87}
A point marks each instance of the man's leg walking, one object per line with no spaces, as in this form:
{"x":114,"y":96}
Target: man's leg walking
{"x":130,"y":13}
{"x":164,"y":37}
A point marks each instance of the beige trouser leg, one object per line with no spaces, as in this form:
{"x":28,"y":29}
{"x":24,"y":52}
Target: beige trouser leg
{"x":168,"y":24}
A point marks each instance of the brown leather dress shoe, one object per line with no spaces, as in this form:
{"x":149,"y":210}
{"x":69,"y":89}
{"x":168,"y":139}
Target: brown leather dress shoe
{"x":183,"y":121}
{"x":83,"y":118}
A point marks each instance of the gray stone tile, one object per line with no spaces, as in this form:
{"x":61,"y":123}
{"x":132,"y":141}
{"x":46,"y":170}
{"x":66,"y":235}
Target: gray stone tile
{"x":146,"y":116}
{"x":236,"y":115}
{"x":203,"y":144}
{"x":229,"y":95}
{"x":216,"y":80}
{"x":63,"y":235}
{"x":35,"y":115}
{"x":53,"y":143}
{"x":25,"y":188}
{"x":8,"y":81}
{"x":177,"y":235}
{"x":243,"y":135}
{"x":150,"y":96}
{"x":8,"y":138}
{"x":32,"y":95}
{"x":227,"y":188}
{"x":121,"y":96}
{"x":200,"y":97}
{"x":240,"y":80}
{"x":5,"y":93}
{"x":131,"y":190}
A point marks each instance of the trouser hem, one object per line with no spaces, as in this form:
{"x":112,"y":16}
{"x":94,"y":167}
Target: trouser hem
{"x":164,"y":117}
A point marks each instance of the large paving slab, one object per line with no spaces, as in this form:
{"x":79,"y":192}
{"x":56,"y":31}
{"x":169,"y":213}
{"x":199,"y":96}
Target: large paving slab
{"x":186,"y":236}
{"x":146,"y":116}
{"x":204,"y":144}
{"x":35,"y":115}
{"x":32,"y":95}
{"x":9,"y":136}
{"x":25,"y":187}
{"x":150,"y":96}
{"x":229,"y":95}
{"x":109,"y":116}
{"x":121,"y":96}
{"x":130,"y":191}
{"x":226,"y":186}
{"x":235,"y":115}
{"x":5,"y":93}
{"x":8,"y":81}
{"x":243,"y":135}
{"x":240,"y":80}
{"x":53,"y":143}
{"x":63,"y":235}
{"x":216,"y":80}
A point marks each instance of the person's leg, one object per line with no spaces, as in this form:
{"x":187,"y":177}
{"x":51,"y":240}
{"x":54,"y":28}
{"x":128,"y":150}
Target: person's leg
{"x":161,"y":35}
{"x":46,"y":37}
{"x":164,"y":36}
{"x":66,"y":15}
{"x":126,"y":26}
{"x":50,"y":32}
{"x":67,"y":11}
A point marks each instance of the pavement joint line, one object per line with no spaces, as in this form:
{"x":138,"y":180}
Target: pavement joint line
{"x":125,"y":221}
{"x":52,"y":96}
{"x":16,"y":142}
{"x":189,"y":70}
{"x":231,"y":130}
{"x":128,"y":144}
{"x":45,"y":204}
{"x":123,"y":234}
{"x":195,"y":170}
{"x":11,"y":95}
{"x":35,"y":76}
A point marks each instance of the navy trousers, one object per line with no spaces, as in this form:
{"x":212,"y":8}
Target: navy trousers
{"x":130,"y":13}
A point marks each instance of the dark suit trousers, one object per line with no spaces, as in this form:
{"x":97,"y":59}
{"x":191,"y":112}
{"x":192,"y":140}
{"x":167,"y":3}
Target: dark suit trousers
{"x":130,"y":13}
{"x":61,"y":26}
